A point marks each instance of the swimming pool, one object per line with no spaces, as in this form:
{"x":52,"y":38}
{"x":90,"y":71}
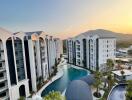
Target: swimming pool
{"x":118,"y":92}
{"x":61,"y":84}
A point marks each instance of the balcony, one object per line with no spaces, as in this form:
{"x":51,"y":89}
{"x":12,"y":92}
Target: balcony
{"x":4,"y":88}
{"x":2,"y":60}
{"x":2,"y":79}
{"x":1,"y":50}
{"x":5,"y":97}
{"x":2,"y":69}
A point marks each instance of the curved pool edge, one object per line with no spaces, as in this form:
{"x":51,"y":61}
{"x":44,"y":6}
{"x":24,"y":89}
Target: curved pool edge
{"x":58,"y":76}
{"x":81,"y":68}
{"x":108,"y":98}
{"x":60,"y":71}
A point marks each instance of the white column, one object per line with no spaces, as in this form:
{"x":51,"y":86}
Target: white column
{"x":6,"y":63}
{"x":24,"y":58}
{"x":32,"y":64}
{"x":46,"y":60}
{"x":14,"y":59}
{"x":38,"y":59}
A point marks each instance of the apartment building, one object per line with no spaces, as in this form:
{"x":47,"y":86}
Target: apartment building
{"x":91,"y":50}
{"x":58,"y":46}
{"x":4,"y":70}
{"x":26,"y":58}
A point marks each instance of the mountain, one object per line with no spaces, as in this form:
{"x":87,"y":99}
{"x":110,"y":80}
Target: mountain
{"x":123,"y":40}
{"x":119,"y":36}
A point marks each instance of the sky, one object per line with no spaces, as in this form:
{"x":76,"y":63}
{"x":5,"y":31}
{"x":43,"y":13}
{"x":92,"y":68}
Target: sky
{"x":66,"y":18}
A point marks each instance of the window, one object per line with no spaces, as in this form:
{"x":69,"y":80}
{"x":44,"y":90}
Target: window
{"x":107,"y":41}
{"x":17,"y":61}
{"x":2,"y":85}
{"x":0,"y":64}
{"x":107,"y":46}
{"x":15,"y":44}
{"x":3,"y":94}
{"x":1,"y":75}
{"x":16,"y":53}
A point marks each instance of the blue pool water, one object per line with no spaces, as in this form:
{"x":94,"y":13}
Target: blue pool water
{"x":118,"y":93}
{"x":62,"y":83}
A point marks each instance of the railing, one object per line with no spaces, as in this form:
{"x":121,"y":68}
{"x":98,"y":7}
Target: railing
{"x":2,"y":60}
{"x":2,"y":68}
{"x":3,"y":78}
{"x":5,"y":97}
{"x":3,"y":88}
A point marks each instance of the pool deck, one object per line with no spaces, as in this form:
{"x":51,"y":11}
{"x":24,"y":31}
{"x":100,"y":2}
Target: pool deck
{"x":57,"y":76}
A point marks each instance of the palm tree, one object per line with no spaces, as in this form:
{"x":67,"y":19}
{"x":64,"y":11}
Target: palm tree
{"x":97,"y":83}
{"x":110,"y":81}
{"x":110,"y":64}
{"x":54,"y":95}
{"x":122,"y":73}
{"x":129,"y":90}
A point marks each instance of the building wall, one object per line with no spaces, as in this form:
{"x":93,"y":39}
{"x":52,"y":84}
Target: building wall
{"x":70,"y":50}
{"x":91,"y":52}
{"x":24,"y":58}
{"x":58,"y":47}
{"x":106,"y":50}
{"x":14,"y":90}
{"x":3,"y":73}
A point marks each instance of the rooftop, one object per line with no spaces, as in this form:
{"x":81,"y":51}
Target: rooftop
{"x":126,"y":72}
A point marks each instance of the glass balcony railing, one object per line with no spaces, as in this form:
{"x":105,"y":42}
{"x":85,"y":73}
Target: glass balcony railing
{"x":3,"y":88}
{"x":2,"y":69}
{"x":6,"y":97}
{"x":3,"y":79}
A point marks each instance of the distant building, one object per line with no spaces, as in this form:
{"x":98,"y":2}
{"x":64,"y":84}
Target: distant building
{"x":26,"y":58}
{"x":91,"y":50}
{"x":126,"y":76}
{"x":59,"y":47}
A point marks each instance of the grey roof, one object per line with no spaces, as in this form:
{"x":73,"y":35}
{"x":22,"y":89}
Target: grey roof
{"x":78,"y":90}
{"x":30,"y":33}
{"x":88,"y":79}
{"x":100,"y":32}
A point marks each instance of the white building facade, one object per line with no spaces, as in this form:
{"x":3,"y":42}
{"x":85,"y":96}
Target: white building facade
{"x":26,"y":59}
{"x":91,"y":51}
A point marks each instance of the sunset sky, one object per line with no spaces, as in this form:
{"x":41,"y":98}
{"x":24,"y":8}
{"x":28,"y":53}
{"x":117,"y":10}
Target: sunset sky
{"x":66,"y":18}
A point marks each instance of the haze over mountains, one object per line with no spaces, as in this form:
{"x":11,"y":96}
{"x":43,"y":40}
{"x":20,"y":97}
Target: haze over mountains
{"x":123,"y":40}
{"x":120,"y":36}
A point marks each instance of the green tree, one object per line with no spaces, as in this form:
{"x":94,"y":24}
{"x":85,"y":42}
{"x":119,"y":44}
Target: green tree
{"x":110,"y":64}
{"x":129,"y":90}
{"x":21,"y":98}
{"x":54,"y":95}
{"x":97,"y":83}
{"x":110,"y":81}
